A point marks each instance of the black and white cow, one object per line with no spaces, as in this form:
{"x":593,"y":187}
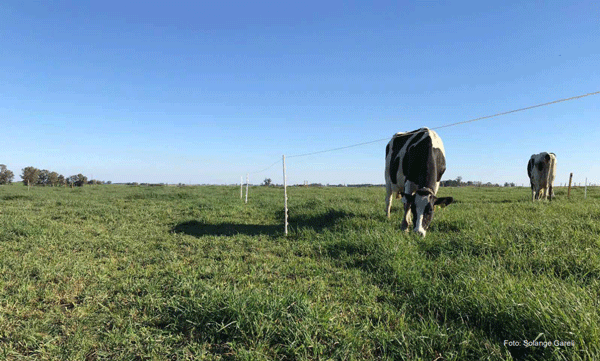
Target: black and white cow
{"x":541,"y":170}
{"x":414,"y":164}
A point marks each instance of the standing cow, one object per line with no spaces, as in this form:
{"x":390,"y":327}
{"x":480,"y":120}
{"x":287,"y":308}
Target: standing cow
{"x":414,"y":165}
{"x":541,"y":170}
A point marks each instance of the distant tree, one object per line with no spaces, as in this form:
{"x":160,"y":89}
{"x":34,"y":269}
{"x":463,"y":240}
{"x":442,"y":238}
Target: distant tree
{"x":30,"y":176}
{"x":267,"y":182}
{"x":43,"y":177}
{"x":6,"y":176}
{"x":458,"y":181}
{"x":81,"y":180}
{"x":108,"y":182}
{"x":72,"y":180}
{"x":449,"y":183}
{"x":512,"y":184}
{"x":53,"y":179}
{"x":62,"y":181}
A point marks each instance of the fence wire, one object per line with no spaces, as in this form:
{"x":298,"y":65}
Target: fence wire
{"x":439,"y":127}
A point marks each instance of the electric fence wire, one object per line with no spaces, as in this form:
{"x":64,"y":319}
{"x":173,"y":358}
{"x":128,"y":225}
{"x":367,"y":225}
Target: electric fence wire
{"x":439,"y":127}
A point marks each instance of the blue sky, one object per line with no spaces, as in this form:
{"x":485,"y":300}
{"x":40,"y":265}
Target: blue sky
{"x":205,"y":92}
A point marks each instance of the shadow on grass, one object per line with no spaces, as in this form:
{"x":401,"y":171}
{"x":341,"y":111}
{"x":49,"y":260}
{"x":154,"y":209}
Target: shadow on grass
{"x":316,"y":222}
{"x":199,"y":229}
{"x":446,"y":226}
{"x":10,"y":197}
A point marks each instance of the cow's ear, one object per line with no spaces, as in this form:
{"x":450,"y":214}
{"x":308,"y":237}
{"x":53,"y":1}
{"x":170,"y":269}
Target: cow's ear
{"x":444,"y":201}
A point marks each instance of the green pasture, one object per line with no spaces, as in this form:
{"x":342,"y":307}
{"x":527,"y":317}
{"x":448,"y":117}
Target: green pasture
{"x":183,"y":273}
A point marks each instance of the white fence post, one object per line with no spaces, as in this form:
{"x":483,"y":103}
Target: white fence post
{"x":285,"y":210}
{"x":241,"y":185}
{"x":247,"y":181}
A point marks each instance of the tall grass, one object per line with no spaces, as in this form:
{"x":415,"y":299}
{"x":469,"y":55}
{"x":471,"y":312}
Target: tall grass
{"x":122,"y":273}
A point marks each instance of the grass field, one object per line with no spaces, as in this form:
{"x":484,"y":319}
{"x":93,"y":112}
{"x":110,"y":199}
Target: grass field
{"x":167,"y":273}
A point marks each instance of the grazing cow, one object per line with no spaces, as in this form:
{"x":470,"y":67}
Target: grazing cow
{"x":414,"y":165}
{"x":541,"y":170}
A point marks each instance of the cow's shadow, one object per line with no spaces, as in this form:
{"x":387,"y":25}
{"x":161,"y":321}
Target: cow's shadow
{"x":301,"y":221}
{"x":200,"y":229}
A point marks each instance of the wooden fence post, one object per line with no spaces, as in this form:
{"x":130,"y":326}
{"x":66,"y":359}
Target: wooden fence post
{"x":569,"y":191}
{"x":285,"y":198}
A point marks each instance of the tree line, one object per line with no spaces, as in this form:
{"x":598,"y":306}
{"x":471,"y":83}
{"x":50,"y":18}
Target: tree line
{"x":33,"y":176}
{"x":458,"y":182}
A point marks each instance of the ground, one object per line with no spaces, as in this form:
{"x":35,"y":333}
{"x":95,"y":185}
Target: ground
{"x":120,"y":273}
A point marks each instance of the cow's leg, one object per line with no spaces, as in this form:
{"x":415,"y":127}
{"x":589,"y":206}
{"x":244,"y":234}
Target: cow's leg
{"x":406,"y":219}
{"x":532,"y":193}
{"x":543,"y":193}
{"x":409,"y":188}
{"x":388,"y":201}
{"x":550,"y":192}
{"x":538,"y":194}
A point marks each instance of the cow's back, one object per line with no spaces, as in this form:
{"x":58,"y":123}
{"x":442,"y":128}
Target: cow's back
{"x":395,"y":151}
{"x":396,"y":170}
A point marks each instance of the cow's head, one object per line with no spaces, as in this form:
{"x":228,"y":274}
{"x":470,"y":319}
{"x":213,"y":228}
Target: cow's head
{"x":421,"y":205}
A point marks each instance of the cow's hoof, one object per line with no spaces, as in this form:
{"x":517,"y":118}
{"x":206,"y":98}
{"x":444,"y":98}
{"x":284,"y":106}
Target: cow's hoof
{"x":404,"y":227}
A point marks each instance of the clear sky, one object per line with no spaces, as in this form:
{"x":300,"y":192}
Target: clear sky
{"x":207,"y":91}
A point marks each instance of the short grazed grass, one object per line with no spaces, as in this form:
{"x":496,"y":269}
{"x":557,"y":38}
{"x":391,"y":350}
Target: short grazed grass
{"x":168,"y":273}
